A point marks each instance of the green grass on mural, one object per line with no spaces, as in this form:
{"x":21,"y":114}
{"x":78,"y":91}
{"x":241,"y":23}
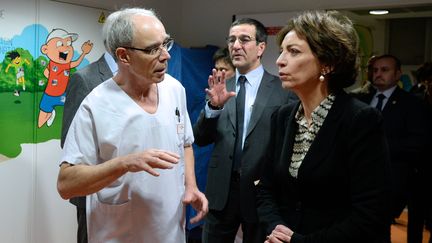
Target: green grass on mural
{"x":18,"y":122}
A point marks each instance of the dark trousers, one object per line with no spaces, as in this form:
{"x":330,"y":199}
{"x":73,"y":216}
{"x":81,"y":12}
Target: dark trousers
{"x":194,"y":235}
{"x":417,"y":208}
{"x":82,"y":225}
{"x":222,"y":226}
{"x":399,"y":189}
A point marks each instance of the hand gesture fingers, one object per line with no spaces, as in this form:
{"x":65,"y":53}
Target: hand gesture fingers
{"x":283,"y":230}
{"x":217,"y":91}
{"x":152,"y":159}
{"x":281,"y":233}
{"x":198,"y":201}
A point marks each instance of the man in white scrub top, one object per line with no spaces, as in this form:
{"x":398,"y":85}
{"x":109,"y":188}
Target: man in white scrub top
{"x":129,"y":145}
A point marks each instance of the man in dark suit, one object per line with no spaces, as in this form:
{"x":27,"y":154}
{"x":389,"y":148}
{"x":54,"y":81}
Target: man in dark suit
{"x":80,"y":85}
{"x":239,"y":128}
{"x":406,"y":126}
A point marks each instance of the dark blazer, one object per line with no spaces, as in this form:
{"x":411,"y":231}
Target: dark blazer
{"x":404,"y":122}
{"x":341,"y":190}
{"x":221,"y":131}
{"x":406,"y":125}
{"x":80,"y":85}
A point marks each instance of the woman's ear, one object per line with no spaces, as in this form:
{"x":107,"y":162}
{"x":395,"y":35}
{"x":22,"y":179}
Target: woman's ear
{"x":326,"y":69}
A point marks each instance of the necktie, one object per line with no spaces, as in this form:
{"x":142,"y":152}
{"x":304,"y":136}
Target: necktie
{"x":381,"y":98}
{"x":240,"y":108}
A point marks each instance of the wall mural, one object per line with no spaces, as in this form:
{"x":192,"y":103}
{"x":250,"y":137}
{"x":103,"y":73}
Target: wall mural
{"x":32,"y":88}
{"x":59,"y":50}
{"x":366,"y":48}
{"x":42,"y":43}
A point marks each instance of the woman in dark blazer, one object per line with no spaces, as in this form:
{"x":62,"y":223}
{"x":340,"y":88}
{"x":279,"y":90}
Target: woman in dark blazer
{"x":327,"y":172}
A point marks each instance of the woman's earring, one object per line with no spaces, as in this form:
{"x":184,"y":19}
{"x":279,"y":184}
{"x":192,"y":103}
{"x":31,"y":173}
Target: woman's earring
{"x":321,"y":78}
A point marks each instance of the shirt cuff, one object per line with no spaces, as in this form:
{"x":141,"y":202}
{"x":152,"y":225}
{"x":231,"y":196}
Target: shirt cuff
{"x":210,"y":113}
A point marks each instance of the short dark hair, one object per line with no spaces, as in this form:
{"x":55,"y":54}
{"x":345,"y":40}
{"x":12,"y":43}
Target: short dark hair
{"x":13,"y":54}
{"x":333,"y":41}
{"x":396,"y":60}
{"x":261,"y":33}
{"x":223,"y":54}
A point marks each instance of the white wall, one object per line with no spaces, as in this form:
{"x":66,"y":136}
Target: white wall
{"x":168,"y":11}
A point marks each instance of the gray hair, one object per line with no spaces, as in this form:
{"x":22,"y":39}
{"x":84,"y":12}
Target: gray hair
{"x":118,"y":29}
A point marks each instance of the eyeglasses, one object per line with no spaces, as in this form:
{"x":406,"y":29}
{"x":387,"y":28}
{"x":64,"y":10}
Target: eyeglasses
{"x":243,"y":39}
{"x":155,"y":51}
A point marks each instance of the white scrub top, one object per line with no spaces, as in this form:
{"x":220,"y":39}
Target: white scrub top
{"x":137,"y":207}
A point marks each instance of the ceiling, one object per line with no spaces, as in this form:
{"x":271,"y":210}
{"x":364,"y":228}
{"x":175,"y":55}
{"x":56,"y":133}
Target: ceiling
{"x":398,"y":9}
{"x":407,"y":11}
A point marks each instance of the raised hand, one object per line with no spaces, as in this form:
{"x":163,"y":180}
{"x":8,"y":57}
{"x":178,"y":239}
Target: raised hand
{"x":217,"y":92}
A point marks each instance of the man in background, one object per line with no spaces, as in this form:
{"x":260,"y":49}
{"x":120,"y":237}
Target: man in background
{"x":80,"y":85}
{"x":406,"y":125}
{"x":237,"y":115}
{"x":223,"y":63}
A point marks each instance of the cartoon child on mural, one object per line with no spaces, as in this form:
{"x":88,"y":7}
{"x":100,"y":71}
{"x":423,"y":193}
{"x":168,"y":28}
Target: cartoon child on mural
{"x":59,"y":50}
{"x":18,"y":63}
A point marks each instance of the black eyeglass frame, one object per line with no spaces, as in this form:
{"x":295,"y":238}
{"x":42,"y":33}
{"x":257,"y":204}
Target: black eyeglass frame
{"x":153,"y":51}
{"x":242,"y":39}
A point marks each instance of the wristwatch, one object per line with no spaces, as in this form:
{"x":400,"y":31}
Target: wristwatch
{"x":214,"y":107}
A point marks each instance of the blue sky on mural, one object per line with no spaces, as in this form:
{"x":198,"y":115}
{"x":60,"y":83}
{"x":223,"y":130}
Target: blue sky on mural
{"x":29,"y":40}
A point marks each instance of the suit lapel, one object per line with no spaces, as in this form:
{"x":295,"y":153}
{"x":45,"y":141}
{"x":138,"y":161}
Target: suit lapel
{"x":264,"y":92}
{"x":104,"y":69}
{"x":324,"y":141}
{"x":289,"y":136}
{"x":393,"y":100}
{"x":369,"y":96}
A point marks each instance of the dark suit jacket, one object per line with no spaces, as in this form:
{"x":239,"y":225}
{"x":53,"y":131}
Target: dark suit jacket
{"x":341,"y":190}
{"x":80,"y":85}
{"x":221,"y":131}
{"x":406,"y":123}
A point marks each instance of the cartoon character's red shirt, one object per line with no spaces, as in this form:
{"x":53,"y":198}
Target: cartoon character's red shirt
{"x":58,"y":78}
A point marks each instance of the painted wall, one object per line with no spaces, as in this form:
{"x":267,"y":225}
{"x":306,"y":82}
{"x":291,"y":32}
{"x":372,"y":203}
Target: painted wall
{"x":31,"y":209}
